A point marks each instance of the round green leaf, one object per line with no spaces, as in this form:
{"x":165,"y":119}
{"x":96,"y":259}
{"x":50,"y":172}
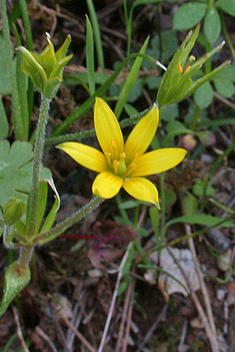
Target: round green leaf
{"x":228,"y":72}
{"x":227,"y":6}
{"x":212,"y":25}
{"x":224,"y":87}
{"x":16,"y":168}
{"x":188,"y":15}
{"x":204,"y":95}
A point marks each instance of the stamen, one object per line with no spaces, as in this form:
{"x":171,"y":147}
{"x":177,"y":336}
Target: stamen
{"x":122,"y":157}
{"x":114,"y":144}
{"x":108,"y":157}
{"x":131,"y":168}
{"x":187,"y":67}
{"x":137,"y":155}
{"x":115,"y":166}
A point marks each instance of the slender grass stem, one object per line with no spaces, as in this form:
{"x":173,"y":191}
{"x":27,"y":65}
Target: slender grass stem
{"x":195,"y":120}
{"x":96,"y":29}
{"x":226,"y":35}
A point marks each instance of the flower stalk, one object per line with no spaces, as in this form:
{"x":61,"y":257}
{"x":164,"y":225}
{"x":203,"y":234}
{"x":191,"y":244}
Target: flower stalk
{"x":68,"y":222}
{"x":25,"y":256}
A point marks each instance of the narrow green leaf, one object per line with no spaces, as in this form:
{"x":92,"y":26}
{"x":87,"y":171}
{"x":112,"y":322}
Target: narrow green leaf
{"x":129,"y":83}
{"x":50,"y":219}
{"x":22,"y":85}
{"x":90,"y":56}
{"x":198,"y":219}
{"x":16,"y":278}
{"x":5,"y":86}
{"x":4,"y":126}
{"x":95,"y":25}
{"x":43,"y":190}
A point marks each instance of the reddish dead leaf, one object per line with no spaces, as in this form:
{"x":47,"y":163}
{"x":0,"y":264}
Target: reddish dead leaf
{"x":112,"y":233}
{"x":108,"y":245}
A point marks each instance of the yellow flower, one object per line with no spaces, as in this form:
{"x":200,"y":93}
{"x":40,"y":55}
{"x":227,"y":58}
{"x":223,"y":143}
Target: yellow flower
{"x":123,"y":164}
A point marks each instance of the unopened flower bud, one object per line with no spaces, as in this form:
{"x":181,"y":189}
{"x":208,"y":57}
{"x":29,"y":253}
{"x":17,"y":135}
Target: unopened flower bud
{"x":13,"y":211}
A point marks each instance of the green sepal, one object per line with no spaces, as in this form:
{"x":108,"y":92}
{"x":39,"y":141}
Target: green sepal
{"x":33,"y":69}
{"x":16,"y":278}
{"x":61,"y":52}
{"x":58,"y":69}
{"x":47,"y":58}
{"x":13,"y":211}
{"x":50,"y":219}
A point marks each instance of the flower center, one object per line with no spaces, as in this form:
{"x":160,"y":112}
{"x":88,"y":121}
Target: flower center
{"x":119,"y":167}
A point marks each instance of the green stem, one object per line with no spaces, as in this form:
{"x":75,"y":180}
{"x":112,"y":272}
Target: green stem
{"x":95,"y":25}
{"x":16,"y":110}
{"x":38,"y":153}
{"x":122,"y":211}
{"x":25,"y":255}
{"x":226,"y":35}
{"x":196,"y":116}
{"x":68,"y":222}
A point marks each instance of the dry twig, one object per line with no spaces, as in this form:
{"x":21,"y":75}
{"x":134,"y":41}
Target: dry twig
{"x":78,"y":334}
{"x":19,"y":331}
{"x":102,"y":343}
{"x":46,"y":338}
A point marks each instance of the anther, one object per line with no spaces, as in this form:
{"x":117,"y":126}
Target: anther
{"x":179,"y":68}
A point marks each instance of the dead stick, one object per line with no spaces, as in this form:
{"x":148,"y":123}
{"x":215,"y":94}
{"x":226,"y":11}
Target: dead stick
{"x":78,"y":334}
{"x":19,"y":331}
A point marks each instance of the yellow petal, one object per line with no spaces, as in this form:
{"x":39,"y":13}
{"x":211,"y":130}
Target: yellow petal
{"x":142,"y":134}
{"x":107,"y":129}
{"x":86,"y":156}
{"x":106,"y":185}
{"x":142,"y":189}
{"x":158,"y":161}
